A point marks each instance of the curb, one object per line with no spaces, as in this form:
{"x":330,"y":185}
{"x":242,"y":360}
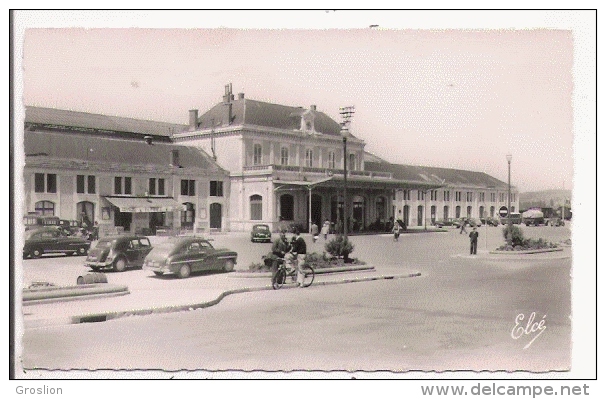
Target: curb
{"x":527,"y":252}
{"x":326,"y":270}
{"x":69,"y":293}
{"x":105,"y":316}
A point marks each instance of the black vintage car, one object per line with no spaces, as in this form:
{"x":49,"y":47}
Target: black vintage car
{"x":260,"y":233}
{"x":118,"y":252}
{"x":52,"y":239}
{"x":184,"y":255}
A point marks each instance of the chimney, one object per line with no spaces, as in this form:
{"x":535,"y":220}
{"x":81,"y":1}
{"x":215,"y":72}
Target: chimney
{"x":149,"y":140}
{"x":174,"y":158}
{"x":193,"y":119}
{"x":312,"y":107}
{"x":228,"y":97}
{"x":240,"y":96}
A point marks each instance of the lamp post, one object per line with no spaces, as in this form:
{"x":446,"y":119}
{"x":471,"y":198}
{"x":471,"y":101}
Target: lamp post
{"x":346,"y":114}
{"x":509,"y":222}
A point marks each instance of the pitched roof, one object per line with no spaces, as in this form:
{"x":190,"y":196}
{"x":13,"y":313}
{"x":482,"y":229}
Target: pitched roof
{"x":84,"y":121}
{"x":259,"y":113}
{"x":44,"y":146}
{"x":455,"y":177}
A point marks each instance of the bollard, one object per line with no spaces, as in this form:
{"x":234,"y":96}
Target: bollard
{"x":92,"y":278}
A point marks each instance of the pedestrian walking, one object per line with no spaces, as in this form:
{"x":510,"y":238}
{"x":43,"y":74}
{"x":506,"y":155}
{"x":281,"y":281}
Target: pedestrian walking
{"x":473,"y":241}
{"x":326,"y":229}
{"x":299,"y":249}
{"x":314,"y":231}
{"x":463,"y":223}
{"x":396,"y":230}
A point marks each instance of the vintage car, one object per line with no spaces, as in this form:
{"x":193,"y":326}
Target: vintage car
{"x":118,"y":252}
{"x":260,"y":233}
{"x":52,"y":239}
{"x":448,"y":222}
{"x":490,"y":221}
{"x":185,"y":255}
{"x":472,"y":222}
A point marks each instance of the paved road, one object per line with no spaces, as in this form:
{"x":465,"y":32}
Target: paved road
{"x":459,"y":315}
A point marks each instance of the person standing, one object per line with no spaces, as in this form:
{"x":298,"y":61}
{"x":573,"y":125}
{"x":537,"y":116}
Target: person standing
{"x":314,"y":231}
{"x":473,"y":241}
{"x":396,"y":230}
{"x":326,"y":229}
{"x":299,"y":249}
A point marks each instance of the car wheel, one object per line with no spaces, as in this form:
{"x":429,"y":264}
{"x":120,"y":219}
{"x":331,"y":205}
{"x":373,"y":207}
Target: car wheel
{"x":184,"y":271}
{"x":69,"y":253}
{"x":36,"y":252}
{"x":158,"y":273}
{"x":120,"y":264}
{"x":229,"y":265}
{"x":82,"y":251}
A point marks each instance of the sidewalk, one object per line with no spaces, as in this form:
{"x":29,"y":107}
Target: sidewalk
{"x":212,"y":290}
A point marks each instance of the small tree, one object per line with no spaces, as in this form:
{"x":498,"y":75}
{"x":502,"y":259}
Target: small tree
{"x":340,"y":246}
{"x":517,"y":235}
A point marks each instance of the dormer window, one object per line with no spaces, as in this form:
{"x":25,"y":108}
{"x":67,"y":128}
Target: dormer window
{"x":307,"y":122}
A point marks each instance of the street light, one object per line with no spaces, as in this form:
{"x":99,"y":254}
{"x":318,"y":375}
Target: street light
{"x":346,"y":114}
{"x":508,"y":156}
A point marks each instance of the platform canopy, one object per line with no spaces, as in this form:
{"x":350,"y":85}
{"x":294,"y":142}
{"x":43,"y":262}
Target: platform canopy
{"x":146,"y":204}
{"x":364,"y":182}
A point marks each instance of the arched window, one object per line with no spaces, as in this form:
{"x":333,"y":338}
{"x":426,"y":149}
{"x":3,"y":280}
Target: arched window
{"x":433,"y":214}
{"x":188,"y":216}
{"x":287,"y":207}
{"x":446,"y":212}
{"x":420,"y":215}
{"x":469,"y":211}
{"x":256,"y":207}
{"x":481,"y":211}
{"x":492,"y":211}
{"x":86,"y":212}
{"x":331,"y":160}
{"x":44,"y":208}
{"x":458,"y":212}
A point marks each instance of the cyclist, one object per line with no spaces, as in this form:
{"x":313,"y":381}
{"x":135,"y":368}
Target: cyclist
{"x":299,"y":250}
{"x":280,"y":248}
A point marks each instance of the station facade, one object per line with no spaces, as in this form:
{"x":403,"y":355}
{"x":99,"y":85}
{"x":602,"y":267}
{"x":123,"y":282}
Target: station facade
{"x":241,"y":162}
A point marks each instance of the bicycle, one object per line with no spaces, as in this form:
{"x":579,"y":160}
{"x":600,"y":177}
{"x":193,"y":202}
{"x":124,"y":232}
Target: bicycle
{"x":284,"y":271}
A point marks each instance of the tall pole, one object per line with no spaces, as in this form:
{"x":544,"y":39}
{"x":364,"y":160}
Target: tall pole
{"x":345,"y":186}
{"x":346,"y":114}
{"x":509,"y":221}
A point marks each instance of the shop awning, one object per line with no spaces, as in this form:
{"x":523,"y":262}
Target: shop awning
{"x":145,"y":204}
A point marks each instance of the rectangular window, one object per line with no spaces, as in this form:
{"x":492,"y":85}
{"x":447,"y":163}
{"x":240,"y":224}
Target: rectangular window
{"x":284,"y":156}
{"x":309,"y":154}
{"x":51,"y":183}
{"x":457,"y":196}
{"x":188,"y":187}
{"x":406,"y":194}
{"x":117,"y":185}
{"x":80,"y":184}
{"x":469,"y":196}
{"x":331,"y":160}
{"x":216,"y":188}
{"x":152,"y":186}
{"x":161,"y":189}
{"x":256,"y":207}
{"x":92,"y":185}
{"x":420,"y":195}
{"x":446,"y":195}
{"x":128,"y":185}
{"x":257,"y":153}
{"x":39,"y":182}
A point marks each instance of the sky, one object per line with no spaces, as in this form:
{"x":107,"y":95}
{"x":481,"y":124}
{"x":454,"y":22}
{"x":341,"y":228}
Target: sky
{"x":444,"y":95}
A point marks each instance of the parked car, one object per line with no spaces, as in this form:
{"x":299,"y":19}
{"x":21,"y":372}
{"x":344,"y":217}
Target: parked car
{"x":185,"y":255}
{"x":472,"y":222}
{"x":260,"y":233}
{"x":490,"y":221}
{"x":516,"y":218}
{"x":118,"y":253}
{"x":448,"y":222}
{"x":52,"y":239}
{"x":36,"y":221}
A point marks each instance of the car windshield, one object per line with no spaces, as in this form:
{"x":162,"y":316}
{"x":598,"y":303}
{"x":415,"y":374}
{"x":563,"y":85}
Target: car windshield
{"x":261,"y":228}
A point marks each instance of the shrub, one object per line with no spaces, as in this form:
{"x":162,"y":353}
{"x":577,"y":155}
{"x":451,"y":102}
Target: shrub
{"x":340,"y":246}
{"x":517,"y":235}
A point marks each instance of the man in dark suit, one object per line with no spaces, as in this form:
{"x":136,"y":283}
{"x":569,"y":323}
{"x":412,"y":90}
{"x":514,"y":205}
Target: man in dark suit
{"x":473,"y":240}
